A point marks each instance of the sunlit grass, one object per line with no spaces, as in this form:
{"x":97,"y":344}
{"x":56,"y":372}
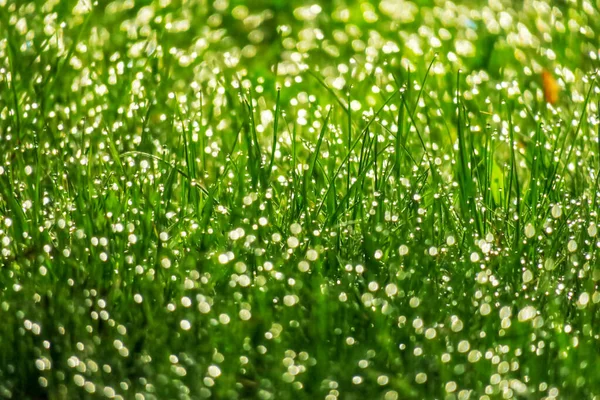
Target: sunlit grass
{"x":273,"y":199}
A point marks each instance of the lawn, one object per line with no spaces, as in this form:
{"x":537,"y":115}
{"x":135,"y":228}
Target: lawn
{"x":279,"y":199}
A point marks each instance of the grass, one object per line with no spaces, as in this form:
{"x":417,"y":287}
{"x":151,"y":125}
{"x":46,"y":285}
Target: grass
{"x":278,"y":200}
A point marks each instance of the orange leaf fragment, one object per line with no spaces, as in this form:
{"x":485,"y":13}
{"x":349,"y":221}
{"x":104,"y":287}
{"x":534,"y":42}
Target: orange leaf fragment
{"x":551,"y":88}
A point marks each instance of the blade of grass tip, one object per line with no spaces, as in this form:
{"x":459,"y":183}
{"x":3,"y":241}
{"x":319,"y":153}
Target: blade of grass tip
{"x":357,"y":184}
{"x":553,"y":166}
{"x":201,"y":135}
{"x":413,"y":123}
{"x":383,"y":183}
{"x":375,"y":177}
{"x":250,"y":105}
{"x":403,"y":148}
{"x":405,"y":125}
{"x":162,"y":160}
{"x":315,"y":155}
{"x":258,"y":167}
{"x":185,"y":144}
{"x":51,"y":80}
{"x":349,"y":133}
{"x":13,"y":88}
{"x":294,"y":204}
{"x":474,"y":175}
{"x":423,"y":84}
{"x":563,"y":145}
{"x":595,"y":202}
{"x":151,"y":45}
{"x":434,"y":173}
{"x":363,"y":151}
{"x":37,"y":182}
{"x":332,"y":200}
{"x":489,"y":167}
{"x":211,"y":198}
{"x":534,"y":181}
{"x":412,"y":114}
{"x":190,"y":161}
{"x":39,"y":50}
{"x":596,"y":183}
{"x":462,"y":171}
{"x":89,"y":153}
{"x":275,"y":126}
{"x":207,"y":209}
{"x":144,"y":144}
{"x":399,"y":137}
{"x":354,"y":144}
{"x":472,"y":154}
{"x":408,"y":85}
{"x":252,"y":163}
{"x":365,"y":154}
{"x":335,"y":96}
{"x":514,"y":176}
{"x":444,"y":120}
{"x":112,"y":147}
{"x":20,"y":225}
{"x":583,"y":113}
{"x":192,"y":149}
{"x":297,"y":203}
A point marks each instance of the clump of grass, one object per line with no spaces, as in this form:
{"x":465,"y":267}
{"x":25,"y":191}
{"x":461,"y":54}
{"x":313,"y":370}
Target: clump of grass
{"x":272,"y":200}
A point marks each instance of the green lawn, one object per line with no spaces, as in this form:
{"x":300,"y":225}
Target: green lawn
{"x":279,"y":199}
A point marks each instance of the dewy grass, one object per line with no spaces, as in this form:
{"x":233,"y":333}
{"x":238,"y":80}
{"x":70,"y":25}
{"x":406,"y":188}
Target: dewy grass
{"x":286,"y":200}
